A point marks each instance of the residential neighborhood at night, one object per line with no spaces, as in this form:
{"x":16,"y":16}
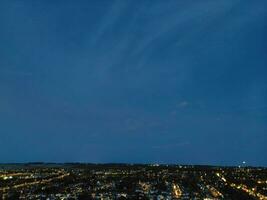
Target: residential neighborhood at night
{"x":124,"y":181}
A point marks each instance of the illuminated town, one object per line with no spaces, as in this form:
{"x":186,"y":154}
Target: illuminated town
{"x":125,"y":181}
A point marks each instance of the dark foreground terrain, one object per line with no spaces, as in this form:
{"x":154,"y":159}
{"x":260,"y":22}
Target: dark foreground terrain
{"x":120,"y":181}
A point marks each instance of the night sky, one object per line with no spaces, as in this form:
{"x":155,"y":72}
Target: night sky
{"x":134,"y":81}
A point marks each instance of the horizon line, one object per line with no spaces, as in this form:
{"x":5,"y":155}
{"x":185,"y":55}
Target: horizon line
{"x":128,"y":163}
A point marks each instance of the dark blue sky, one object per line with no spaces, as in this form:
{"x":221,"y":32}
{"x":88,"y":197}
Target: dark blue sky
{"x":134,"y":81}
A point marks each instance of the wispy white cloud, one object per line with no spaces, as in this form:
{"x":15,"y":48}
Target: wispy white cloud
{"x":183,"y":104}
